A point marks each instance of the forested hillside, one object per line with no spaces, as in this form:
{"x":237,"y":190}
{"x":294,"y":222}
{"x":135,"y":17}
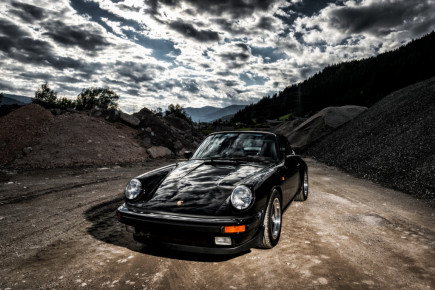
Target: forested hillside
{"x":360,"y":82}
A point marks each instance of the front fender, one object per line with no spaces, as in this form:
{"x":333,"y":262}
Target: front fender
{"x":151,"y":181}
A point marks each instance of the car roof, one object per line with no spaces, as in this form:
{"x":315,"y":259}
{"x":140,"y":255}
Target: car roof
{"x":245,"y":132}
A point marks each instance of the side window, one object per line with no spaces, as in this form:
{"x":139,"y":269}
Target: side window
{"x":284,"y":146}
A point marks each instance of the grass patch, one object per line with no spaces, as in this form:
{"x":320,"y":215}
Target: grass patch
{"x":285,"y":117}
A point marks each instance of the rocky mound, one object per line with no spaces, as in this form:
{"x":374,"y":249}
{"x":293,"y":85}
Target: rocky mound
{"x":34,"y":137}
{"x":170,"y":132}
{"x":392,"y":143}
{"x":318,"y":125}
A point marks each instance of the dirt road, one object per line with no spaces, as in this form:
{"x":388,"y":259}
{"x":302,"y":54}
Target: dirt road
{"x":58,"y":230}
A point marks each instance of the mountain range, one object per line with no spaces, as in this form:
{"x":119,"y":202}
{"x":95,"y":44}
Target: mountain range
{"x":203,"y":114}
{"x":10,"y":99}
{"x":210,"y":114}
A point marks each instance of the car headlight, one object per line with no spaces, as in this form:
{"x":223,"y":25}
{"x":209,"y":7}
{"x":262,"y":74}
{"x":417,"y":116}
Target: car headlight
{"x":133,"y":189}
{"x":242,"y":197}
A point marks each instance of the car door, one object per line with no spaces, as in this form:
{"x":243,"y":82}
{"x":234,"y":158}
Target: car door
{"x":292,"y":167}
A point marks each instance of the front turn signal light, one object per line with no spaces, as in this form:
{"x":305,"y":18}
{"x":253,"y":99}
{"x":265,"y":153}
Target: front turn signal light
{"x":235,"y":229}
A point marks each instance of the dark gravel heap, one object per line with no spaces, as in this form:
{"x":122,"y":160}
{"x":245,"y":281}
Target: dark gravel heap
{"x":392,"y":143}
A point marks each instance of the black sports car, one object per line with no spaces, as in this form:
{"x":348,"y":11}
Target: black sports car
{"x":227,"y":198}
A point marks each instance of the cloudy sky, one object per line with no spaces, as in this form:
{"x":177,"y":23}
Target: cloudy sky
{"x":193,"y":52}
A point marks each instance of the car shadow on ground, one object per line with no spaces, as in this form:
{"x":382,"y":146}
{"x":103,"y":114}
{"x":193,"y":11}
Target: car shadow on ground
{"x":106,"y":227}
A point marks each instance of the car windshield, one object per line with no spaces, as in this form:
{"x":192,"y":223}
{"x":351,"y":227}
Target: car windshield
{"x":237,"y":146}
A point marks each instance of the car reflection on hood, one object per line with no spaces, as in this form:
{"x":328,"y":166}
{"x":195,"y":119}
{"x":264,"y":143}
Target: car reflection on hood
{"x":201,"y":186}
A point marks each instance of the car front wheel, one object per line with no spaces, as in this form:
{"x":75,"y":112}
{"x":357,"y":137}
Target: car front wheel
{"x":272,"y":221}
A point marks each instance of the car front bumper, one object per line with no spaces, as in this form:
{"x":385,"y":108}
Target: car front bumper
{"x":191,"y":233}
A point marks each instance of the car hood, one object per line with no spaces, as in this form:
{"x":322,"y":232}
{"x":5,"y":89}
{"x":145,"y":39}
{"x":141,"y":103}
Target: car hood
{"x":201,"y":187}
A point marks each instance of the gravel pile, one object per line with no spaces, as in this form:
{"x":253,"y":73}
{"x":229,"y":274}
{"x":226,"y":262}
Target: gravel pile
{"x":318,"y":125}
{"x":33,"y":137}
{"x":392,"y":143}
{"x":75,"y":139}
{"x":22,"y":129}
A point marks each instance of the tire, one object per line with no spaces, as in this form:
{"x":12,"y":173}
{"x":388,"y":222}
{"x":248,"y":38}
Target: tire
{"x":272,"y":221}
{"x":303,"y":191}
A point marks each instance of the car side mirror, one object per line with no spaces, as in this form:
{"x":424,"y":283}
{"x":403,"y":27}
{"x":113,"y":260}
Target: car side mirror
{"x":188,"y":154}
{"x":290,"y":160}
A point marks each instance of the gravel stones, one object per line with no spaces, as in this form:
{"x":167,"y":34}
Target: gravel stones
{"x":392,"y":143}
{"x":78,"y":139}
{"x":321,"y":124}
{"x":21,"y":129}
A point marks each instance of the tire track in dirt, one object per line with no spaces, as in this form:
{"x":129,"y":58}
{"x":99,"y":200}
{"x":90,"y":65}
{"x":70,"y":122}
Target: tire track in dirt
{"x":37,"y":193}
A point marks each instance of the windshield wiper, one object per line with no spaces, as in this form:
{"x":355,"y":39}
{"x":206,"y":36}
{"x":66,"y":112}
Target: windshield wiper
{"x":254,"y":159}
{"x":220,"y":160}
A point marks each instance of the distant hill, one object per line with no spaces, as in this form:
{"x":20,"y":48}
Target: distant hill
{"x":197,"y":114}
{"x":360,"y":82}
{"x":391,"y":143}
{"x":10,"y":99}
{"x":225,"y":112}
{"x":209,"y":113}
{"x":227,"y":118}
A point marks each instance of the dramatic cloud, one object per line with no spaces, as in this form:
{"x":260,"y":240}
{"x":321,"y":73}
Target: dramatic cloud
{"x":189,"y":31}
{"x":138,"y":72}
{"x":382,"y":18}
{"x":27,"y":12}
{"x":196,"y":53}
{"x":235,"y":8}
{"x":78,"y":35}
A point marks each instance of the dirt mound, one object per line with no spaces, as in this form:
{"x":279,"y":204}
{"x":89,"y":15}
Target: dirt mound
{"x":392,"y":143}
{"x":319,"y":125}
{"x":78,"y":139}
{"x":32,"y":137}
{"x":21,"y":129}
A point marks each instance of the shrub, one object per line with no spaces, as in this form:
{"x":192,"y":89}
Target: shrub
{"x":178,"y":111}
{"x":102,"y":98}
{"x":45,"y":96}
{"x":65,"y":103}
